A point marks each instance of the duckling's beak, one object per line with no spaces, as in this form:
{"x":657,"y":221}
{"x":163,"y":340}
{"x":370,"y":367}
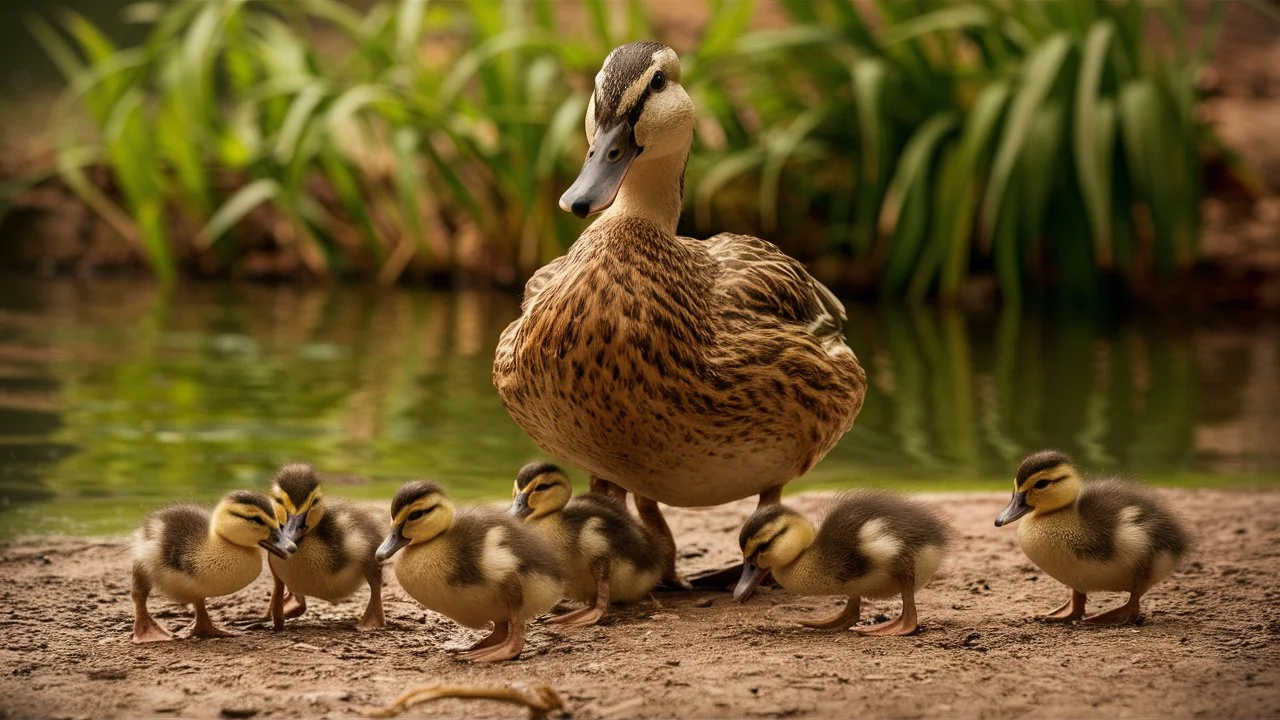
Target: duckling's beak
{"x":391,"y":545}
{"x":752,"y":576}
{"x":520,"y":506}
{"x":612,"y":151}
{"x":279,"y":543}
{"x":1016,"y":508}
{"x":295,"y":527}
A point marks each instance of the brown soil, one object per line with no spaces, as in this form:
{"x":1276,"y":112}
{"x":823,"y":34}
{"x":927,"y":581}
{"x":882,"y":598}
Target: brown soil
{"x":1209,"y":644}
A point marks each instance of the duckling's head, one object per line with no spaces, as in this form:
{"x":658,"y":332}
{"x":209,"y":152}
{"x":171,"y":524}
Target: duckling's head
{"x":419,"y":513}
{"x":540,"y":489}
{"x":295,"y":493}
{"x":1046,"y":481}
{"x":774,"y":536}
{"x":638,"y":113}
{"x":246,"y":518}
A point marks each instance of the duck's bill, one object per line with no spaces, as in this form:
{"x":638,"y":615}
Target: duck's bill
{"x":1016,"y":508}
{"x":391,"y":545}
{"x":612,"y":152}
{"x":752,"y":576}
{"x":520,"y":506}
{"x":295,"y":527}
{"x":278,"y":543}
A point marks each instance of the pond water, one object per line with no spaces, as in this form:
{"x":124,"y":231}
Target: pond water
{"x":117,"y":396}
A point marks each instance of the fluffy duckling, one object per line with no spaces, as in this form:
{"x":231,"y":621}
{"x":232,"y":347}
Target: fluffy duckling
{"x":1106,"y":534}
{"x":189,"y":554}
{"x":871,"y":544}
{"x":473,"y":565}
{"x":336,"y":546}
{"x":608,"y":555}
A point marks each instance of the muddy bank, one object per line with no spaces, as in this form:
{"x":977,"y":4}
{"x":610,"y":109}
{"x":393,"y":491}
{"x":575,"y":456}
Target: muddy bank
{"x":1209,"y":644}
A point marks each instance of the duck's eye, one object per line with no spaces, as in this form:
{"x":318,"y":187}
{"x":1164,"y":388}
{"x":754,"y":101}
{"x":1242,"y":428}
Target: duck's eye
{"x":542,"y":486}
{"x":1042,"y":484}
{"x":658,"y":82}
{"x":258,"y":520}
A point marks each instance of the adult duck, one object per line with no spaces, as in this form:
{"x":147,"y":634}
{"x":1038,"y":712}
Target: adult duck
{"x":689,"y":372}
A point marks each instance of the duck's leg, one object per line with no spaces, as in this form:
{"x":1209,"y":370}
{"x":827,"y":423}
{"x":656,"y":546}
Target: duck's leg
{"x":1123,"y":615}
{"x":906,"y":622}
{"x":651,"y":515}
{"x":847,"y":616}
{"x":276,"y":610}
{"x":772,"y":496}
{"x":1070,"y":611}
{"x":145,"y":627}
{"x":613,"y":490}
{"x":373,"y":616}
{"x":592,"y":614}
{"x":204,"y":627}
{"x":509,"y":648}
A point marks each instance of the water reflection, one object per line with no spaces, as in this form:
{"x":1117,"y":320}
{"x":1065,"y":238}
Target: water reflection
{"x":116,"y":396}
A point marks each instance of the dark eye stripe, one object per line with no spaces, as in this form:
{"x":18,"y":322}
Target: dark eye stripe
{"x":250,"y":518}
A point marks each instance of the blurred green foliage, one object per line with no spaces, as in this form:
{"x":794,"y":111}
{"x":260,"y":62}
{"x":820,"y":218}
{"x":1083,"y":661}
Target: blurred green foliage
{"x":1047,"y":141}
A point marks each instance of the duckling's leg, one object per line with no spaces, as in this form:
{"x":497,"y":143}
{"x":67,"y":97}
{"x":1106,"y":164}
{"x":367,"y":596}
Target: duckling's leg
{"x":1070,"y":611}
{"x":847,"y":616}
{"x":373,"y":616}
{"x":294,"y":604}
{"x":495,"y":637}
{"x":906,"y":622}
{"x":605,"y":487}
{"x":277,"y":601}
{"x":651,"y":515}
{"x":1123,"y":615}
{"x":509,"y":648}
{"x":145,"y":627}
{"x":587,"y":616}
{"x":204,"y":627}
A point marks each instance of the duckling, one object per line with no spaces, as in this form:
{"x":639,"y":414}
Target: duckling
{"x":189,"y":554}
{"x":1105,"y":534}
{"x":609,"y":556}
{"x":871,"y":544}
{"x":336,"y":543}
{"x":475,"y":566}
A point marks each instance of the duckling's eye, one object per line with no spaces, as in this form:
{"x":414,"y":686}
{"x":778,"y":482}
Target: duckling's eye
{"x":258,"y":520}
{"x":418,"y":514}
{"x":542,"y":486}
{"x":659,"y":82}
{"x":1042,"y":484}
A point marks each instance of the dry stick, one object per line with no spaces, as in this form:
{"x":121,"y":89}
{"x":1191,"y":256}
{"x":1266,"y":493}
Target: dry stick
{"x":539,"y":698}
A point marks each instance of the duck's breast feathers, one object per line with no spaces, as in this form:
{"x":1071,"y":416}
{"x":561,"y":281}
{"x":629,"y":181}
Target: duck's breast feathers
{"x":488,"y":546}
{"x":1122,"y":516}
{"x":597,"y":525}
{"x":758,"y":278}
{"x":172,"y":536}
{"x":867,"y":529}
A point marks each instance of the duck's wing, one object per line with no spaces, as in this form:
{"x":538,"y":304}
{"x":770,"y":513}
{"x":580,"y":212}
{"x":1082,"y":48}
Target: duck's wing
{"x":758,"y":278}
{"x":545,"y":276}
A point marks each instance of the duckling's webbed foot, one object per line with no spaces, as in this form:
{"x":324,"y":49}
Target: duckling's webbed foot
{"x":204,"y":627}
{"x":847,"y":616}
{"x":1070,"y":611}
{"x":1123,"y":615}
{"x":510,"y":647}
{"x":145,"y":627}
{"x":294,"y":604}
{"x":590,"y":615}
{"x":651,"y":516}
{"x":495,"y":637}
{"x":906,"y":622}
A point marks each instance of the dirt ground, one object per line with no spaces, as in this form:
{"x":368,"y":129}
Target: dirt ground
{"x":1209,"y":644}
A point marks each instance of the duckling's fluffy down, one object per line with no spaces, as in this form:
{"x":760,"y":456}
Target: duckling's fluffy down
{"x":871,"y":538}
{"x":177,"y":553}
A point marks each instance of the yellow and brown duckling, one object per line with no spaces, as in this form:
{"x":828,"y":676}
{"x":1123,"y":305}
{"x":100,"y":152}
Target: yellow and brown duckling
{"x":871,"y":544}
{"x":190,"y":554}
{"x":1104,"y":534}
{"x":609,"y":556}
{"x":336,"y":545}
{"x":473,"y":565}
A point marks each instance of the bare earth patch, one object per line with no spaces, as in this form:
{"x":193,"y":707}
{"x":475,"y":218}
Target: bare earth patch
{"x":1209,"y":645}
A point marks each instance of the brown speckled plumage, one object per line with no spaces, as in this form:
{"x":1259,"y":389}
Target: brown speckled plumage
{"x":692,"y":372}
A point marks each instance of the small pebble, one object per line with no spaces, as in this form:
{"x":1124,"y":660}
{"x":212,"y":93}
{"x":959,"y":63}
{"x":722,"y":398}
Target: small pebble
{"x":239,"y":712}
